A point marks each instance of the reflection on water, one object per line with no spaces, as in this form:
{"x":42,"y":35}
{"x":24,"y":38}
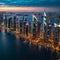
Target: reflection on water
{"x":4,"y":37}
{"x":4,"y":42}
{"x":15,"y":49}
{"x":17,"y":42}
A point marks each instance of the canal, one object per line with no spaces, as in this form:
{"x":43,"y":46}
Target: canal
{"x":12,"y":48}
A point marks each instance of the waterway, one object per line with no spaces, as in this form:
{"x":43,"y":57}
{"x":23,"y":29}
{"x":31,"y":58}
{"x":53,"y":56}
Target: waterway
{"x":12,"y":48}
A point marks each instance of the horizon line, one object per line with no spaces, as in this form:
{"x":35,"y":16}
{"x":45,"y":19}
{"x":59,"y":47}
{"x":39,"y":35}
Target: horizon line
{"x":27,"y":9}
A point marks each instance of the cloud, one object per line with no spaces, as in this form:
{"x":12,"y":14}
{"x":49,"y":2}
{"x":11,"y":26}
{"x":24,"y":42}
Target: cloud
{"x":1,"y":3}
{"x":50,"y":3}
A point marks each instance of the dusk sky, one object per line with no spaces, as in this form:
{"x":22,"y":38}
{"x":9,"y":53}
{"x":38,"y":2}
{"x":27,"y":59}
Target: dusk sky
{"x":50,"y":3}
{"x":30,"y":3}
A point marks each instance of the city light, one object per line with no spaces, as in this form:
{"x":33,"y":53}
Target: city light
{"x":47,"y":36}
{"x":29,"y":29}
{"x":55,"y":25}
{"x":59,"y":25}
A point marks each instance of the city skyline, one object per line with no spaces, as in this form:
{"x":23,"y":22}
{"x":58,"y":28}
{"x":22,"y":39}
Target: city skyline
{"x":29,"y":29}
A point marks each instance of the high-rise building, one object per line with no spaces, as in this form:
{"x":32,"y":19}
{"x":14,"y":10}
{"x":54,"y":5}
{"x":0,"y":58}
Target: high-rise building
{"x":1,"y":17}
{"x":16,"y":25}
{"x":59,"y":32}
{"x":56,"y":34}
{"x":9,"y":22}
{"x":34,"y":31}
{"x":36,"y":27}
{"x":21,"y":26}
{"x":24,"y":24}
{"x":49,"y":30}
{"x":5,"y":21}
{"x":27,"y":28}
{"x":44,"y":26}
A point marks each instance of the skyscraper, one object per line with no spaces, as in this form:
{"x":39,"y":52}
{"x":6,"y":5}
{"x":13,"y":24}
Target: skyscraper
{"x":21,"y":26}
{"x":1,"y":17}
{"x":24,"y":24}
{"x":5,"y":21}
{"x":44,"y":26}
{"x":56,"y":34}
{"x":9,"y":22}
{"x":16,"y":25}
{"x":49,"y":29}
{"x":27,"y":28}
{"x":59,"y":32}
{"x":36,"y":27}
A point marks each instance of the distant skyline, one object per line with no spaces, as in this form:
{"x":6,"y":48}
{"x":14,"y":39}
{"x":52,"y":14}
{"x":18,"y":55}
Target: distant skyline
{"x":30,"y":3}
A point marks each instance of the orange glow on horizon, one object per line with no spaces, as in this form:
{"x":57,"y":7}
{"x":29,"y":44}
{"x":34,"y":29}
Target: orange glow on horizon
{"x":19,"y":9}
{"x":25,"y":9}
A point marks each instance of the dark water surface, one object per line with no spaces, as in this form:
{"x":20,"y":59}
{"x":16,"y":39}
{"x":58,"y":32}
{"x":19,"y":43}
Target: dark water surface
{"x":12,"y":48}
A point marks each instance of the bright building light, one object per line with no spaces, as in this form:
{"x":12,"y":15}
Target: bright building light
{"x":59,"y":25}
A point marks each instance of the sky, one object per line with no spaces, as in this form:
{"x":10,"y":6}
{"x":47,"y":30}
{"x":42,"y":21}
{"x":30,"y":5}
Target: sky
{"x":26,"y":5}
{"x":28,"y":9}
{"x":32,"y":3}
